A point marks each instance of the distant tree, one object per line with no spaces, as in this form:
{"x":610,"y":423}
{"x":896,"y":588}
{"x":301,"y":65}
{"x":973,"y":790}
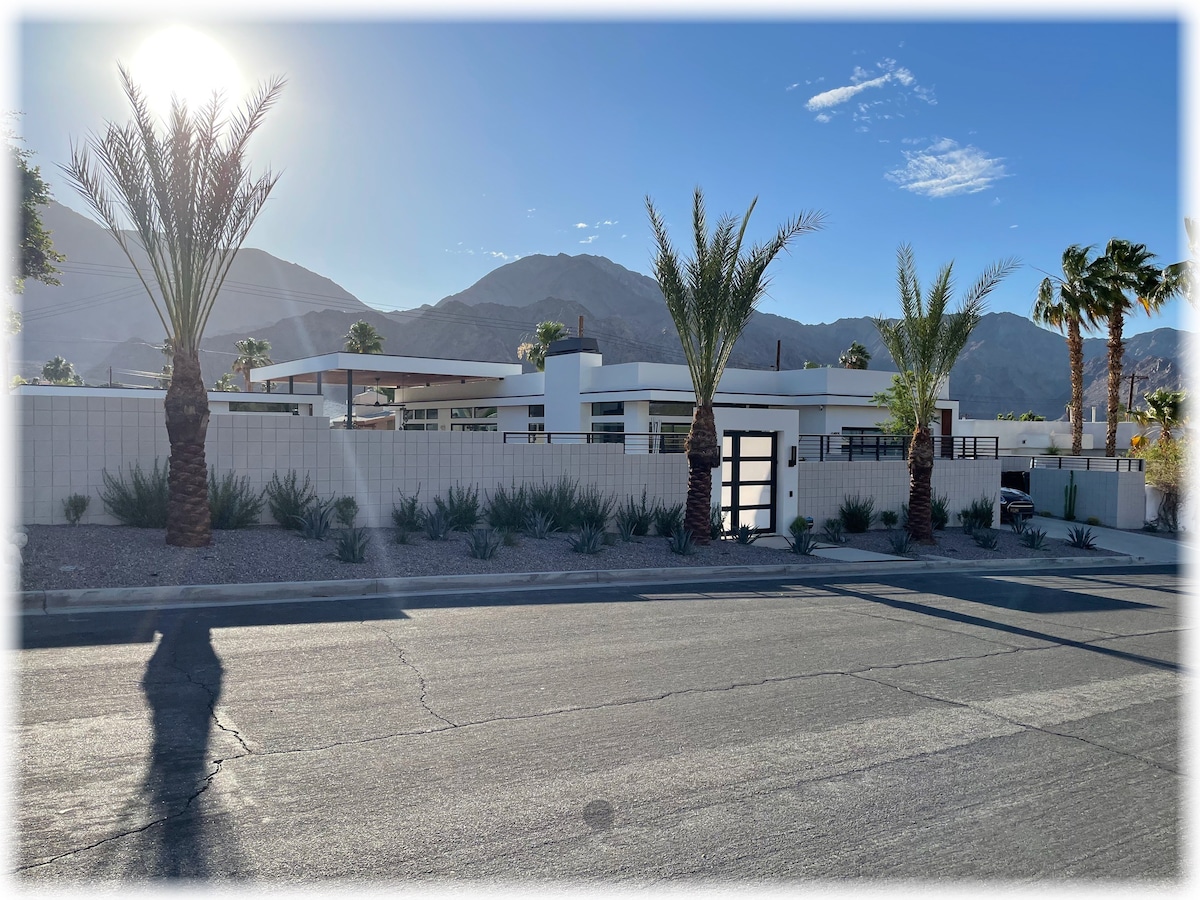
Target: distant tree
{"x":544,"y":334}
{"x":809,"y":364}
{"x":186,"y":200}
{"x":855,"y":357}
{"x":1030,"y":416}
{"x":710,"y":299}
{"x":252,"y":354}
{"x":168,"y":370}
{"x":363,"y":338}
{"x":59,"y":371}
{"x":1071,"y":304}
{"x":925,"y":343}
{"x":35,"y":252}
{"x":226,"y":383}
{"x":1006,"y":417}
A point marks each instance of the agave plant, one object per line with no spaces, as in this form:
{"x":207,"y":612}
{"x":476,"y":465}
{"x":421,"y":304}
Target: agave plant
{"x":590,"y":540}
{"x":681,"y":541}
{"x":482,"y":543}
{"x":745,"y":535}
{"x":351,"y":545}
{"x":316,"y":521}
{"x":1034,"y":539}
{"x":1081,"y":537}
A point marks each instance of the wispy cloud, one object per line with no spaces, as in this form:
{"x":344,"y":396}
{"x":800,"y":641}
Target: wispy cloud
{"x":581,"y":225}
{"x":589,"y":239}
{"x":944,"y":169}
{"x":493,"y":254}
{"x":886,"y":73}
{"x":792,"y":87}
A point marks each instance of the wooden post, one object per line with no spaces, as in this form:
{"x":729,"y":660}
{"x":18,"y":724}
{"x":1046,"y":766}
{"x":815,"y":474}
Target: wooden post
{"x":580,"y":326}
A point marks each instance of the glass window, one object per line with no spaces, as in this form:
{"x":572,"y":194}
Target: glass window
{"x":485,"y":412}
{"x":608,"y":433}
{"x":670,"y":408}
{"x":616,"y":408}
{"x":537,"y":426}
{"x":462,"y":412}
{"x":537,"y":412}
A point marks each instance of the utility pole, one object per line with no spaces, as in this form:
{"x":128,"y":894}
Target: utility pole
{"x":1133,"y":377}
{"x":778,"y":348}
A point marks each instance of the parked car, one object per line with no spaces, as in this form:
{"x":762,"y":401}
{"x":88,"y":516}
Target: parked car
{"x":1014,"y":503}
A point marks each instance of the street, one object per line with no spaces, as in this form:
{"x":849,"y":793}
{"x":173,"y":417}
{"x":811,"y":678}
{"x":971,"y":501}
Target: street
{"x":1001,"y":725}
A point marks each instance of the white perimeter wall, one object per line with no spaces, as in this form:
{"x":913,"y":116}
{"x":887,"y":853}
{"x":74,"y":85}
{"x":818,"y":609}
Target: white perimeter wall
{"x":1117,"y":499}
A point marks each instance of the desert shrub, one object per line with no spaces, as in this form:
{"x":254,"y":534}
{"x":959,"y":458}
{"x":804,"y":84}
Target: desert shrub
{"x":986,"y":538}
{"x":668,"y":519}
{"x":402,"y":537}
{"x":857,"y":513}
{"x":74,"y":507}
{"x":351,"y":544}
{"x":1092,"y":520}
{"x":345,"y":509}
{"x":593,"y":508}
{"x":680,"y":541}
{"x":316,"y":521}
{"x":639,"y":515}
{"x":832,"y":531}
{"x":482,"y":543}
{"x":141,"y":501}
{"x":590,"y":540}
{"x":799,"y":525}
{"x":940,"y":507}
{"x":1081,"y":537}
{"x":901,"y":542}
{"x":716,"y":522}
{"x":540,"y":525}
{"x":231,"y":502}
{"x":889,"y":518}
{"x":437,"y":525}
{"x":556,"y":501}
{"x":802,"y":542}
{"x":460,"y":506}
{"x":745,"y":535}
{"x":1034,"y":539}
{"x":1018,"y":524}
{"x":507,"y":508}
{"x":978,"y":515}
{"x":407,"y":516}
{"x":624,"y":528}
{"x":287,"y":500}
{"x":1166,"y":467}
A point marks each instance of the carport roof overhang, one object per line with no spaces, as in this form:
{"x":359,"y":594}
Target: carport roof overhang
{"x":376,"y":369}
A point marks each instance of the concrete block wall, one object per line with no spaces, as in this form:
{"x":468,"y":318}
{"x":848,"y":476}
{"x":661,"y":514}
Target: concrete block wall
{"x":825,"y":485}
{"x":1117,"y":499}
{"x":65,"y":444}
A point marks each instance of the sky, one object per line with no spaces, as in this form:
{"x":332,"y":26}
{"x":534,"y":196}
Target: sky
{"x":415,"y":156}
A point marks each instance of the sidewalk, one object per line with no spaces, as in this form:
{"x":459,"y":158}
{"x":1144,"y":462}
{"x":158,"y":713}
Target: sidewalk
{"x":1141,"y":545}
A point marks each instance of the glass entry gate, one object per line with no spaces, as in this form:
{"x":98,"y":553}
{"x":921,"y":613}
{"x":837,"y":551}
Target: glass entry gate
{"x":748,"y":479}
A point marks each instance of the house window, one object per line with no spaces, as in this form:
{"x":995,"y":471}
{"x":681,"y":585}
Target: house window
{"x":615,"y":408}
{"x":608,"y":433}
{"x":672,"y":436}
{"x":671,"y":408}
{"x":537,"y":412}
{"x":472,"y":426}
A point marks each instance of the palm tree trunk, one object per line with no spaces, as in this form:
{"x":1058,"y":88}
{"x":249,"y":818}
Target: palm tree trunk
{"x":1075,"y":352}
{"x":1116,"y":350}
{"x":703,"y":455}
{"x":189,"y":522}
{"x":920,"y":480}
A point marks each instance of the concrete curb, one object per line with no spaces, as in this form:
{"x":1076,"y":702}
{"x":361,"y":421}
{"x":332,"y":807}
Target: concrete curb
{"x":98,"y":599}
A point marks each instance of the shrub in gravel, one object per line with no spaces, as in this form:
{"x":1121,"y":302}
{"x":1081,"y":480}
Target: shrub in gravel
{"x":507,"y":508}
{"x":901,"y":542}
{"x":668,"y":519}
{"x":802,"y":542}
{"x":288,"y":500}
{"x":351,"y":544}
{"x":680,"y":541}
{"x":889,"y":518}
{"x":482,"y":543}
{"x":590,"y":540}
{"x":314,"y":525}
{"x":141,"y":501}
{"x":978,"y":515}
{"x":437,"y":525}
{"x":857,"y":513}
{"x":985,"y":537}
{"x":346,"y":511}
{"x":940,"y":511}
{"x":540,"y":525}
{"x":593,"y":508}
{"x":832,"y":531}
{"x":460,"y":506}
{"x":624,"y":529}
{"x":74,"y":507}
{"x":556,"y":501}
{"x":407,"y":515}
{"x":638,"y":516}
{"x":1034,"y":539}
{"x":745,"y":535}
{"x":231,"y":502}
{"x":1018,"y":524}
{"x":716,"y":522}
{"x":1081,"y":537}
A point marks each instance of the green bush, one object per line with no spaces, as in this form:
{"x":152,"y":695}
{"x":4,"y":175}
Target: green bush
{"x":979,"y":515}
{"x":745,"y":535}
{"x":507,"y":508}
{"x":346,"y":511}
{"x":1081,"y":537}
{"x":540,"y":525}
{"x":832,"y":531}
{"x":141,"y":501}
{"x":857,"y":513}
{"x":407,"y":515}
{"x":889,"y":518}
{"x":460,"y":506}
{"x":287,"y":500}
{"x":940,"y":511}
{"x":590,"y":540}
{"x":1034,"y":539}
{"x":556,"y":501}
{"x":231,"y":502}
{"x":802,"y":543}
{"x":901,"y":542}
{"x":985,"y":537}
{"x":716,"y":522}
{"x":351,"y":545}
{"x":316,"y":521}
{"x":437,"y":525}
{"x":482,"y":543}
{"x":680,"y":541}
{"x":638,"y":516}
{"x":74,"y":507}
{"x":668,"y":519}
{"x":593,"y":508}
{"x":1092,"y":520}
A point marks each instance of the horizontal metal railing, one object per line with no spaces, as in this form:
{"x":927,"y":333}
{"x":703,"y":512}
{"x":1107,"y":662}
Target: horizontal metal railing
{"x":1089,"y":463}
{"x":633,"y":442}
{"x":875,"y":447}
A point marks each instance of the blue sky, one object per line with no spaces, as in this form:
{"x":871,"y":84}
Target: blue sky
{"x":416,"y":157}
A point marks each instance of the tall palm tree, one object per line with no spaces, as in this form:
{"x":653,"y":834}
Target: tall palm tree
{"x":925,"y":343}
{"x":363,"y":338}
{"x":190,"y":201}
{"x":544,"y":334}
{"x":710,"y":299}
{"x":1070,"y":304}
{"x":252,"y":353}
{"x":1129,"y":275}
{"x":1165,"y":409}
{"x":854,"y":357}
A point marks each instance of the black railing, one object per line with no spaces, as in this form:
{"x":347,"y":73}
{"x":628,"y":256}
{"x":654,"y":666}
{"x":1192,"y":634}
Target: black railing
{"x":634,"y":442}
{"x":1089,"y":463}
{"x":875,"y":447}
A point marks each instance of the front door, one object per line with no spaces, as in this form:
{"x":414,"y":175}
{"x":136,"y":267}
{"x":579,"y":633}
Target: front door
{"x":748,"y":479}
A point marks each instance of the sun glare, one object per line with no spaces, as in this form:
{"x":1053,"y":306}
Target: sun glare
{"x":185,"y":63}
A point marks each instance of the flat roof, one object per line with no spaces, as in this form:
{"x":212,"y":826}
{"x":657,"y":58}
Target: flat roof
{"x":381,"y":370}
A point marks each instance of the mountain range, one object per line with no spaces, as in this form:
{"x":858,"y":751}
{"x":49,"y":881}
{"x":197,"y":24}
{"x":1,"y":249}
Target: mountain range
{"x":101,"y":320}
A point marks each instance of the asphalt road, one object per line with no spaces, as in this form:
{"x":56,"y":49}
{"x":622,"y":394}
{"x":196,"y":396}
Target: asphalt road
{"x":1009,"y":727}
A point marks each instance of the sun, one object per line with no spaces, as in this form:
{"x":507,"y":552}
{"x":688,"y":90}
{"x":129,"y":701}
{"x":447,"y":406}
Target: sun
{"x":183,"y":62}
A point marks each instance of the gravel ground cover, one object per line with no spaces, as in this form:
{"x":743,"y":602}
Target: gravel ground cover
{"x":63,"y":557}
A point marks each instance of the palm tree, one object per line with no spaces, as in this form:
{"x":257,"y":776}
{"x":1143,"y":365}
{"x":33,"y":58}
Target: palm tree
{"x":710,"y":299}
{"x":1128,"y":275}
{"x":363,"y":338}
{"x":252,"y":353}
{"x":58,"y":371}
{"x":190,"y":201}
{"x":855,"y":357}
{"x":924,"y":344}
{"x":544,"y":334}
{"x":1070,"y":303}
{"x":1165,"y":409}
{"x":226,"y":383}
